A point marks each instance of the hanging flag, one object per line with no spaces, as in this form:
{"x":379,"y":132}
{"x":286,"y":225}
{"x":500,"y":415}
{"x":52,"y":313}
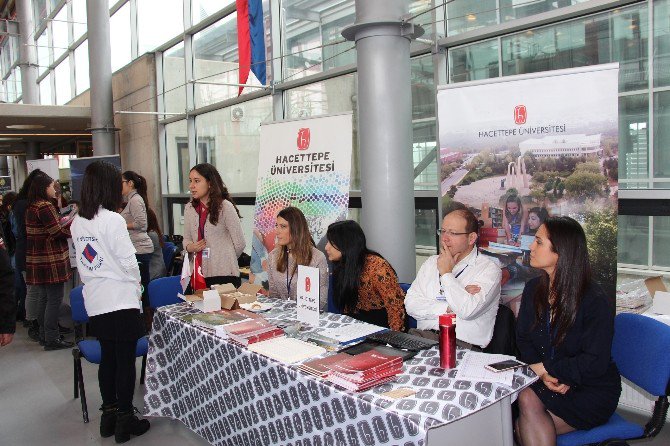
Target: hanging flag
{"x":185,"y":272}
{"x":250,"y":40}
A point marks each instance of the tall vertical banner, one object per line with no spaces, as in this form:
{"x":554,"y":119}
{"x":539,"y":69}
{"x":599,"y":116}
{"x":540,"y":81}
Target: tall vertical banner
{"x":306,"y":164}
{"x":519,"y":149}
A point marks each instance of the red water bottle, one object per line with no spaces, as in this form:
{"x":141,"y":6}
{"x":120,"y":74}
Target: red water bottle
{"x":447,"y":323}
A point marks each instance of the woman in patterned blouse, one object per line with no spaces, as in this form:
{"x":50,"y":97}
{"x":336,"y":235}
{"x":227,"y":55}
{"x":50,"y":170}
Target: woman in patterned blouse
{"x":365,"y":286}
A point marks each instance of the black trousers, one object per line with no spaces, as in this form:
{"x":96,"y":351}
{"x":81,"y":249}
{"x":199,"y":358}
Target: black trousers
{"x":116,"y":374}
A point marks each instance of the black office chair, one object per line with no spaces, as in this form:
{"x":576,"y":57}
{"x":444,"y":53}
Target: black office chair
{"x":504,"y":333}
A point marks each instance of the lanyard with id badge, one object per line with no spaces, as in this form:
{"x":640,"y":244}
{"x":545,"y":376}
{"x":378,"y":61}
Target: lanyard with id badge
{"x":202,"y":213}
{"x":442,"y":296}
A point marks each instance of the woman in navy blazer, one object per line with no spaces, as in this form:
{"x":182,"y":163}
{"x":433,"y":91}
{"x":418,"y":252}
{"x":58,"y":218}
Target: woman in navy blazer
{"x":564,"y":331}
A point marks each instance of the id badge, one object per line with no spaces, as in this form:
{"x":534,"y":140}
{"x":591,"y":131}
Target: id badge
{"x":441,"y":298}
{"x":205,"y":253}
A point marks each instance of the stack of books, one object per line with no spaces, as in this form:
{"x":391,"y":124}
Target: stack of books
{"x":365,"y":370}
{"x":319,"y":367}
{"x":215,"y":319}
{"x":251,"y":331}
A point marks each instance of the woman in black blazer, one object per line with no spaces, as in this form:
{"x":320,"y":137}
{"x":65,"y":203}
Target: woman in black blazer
{"x":564,"y":331}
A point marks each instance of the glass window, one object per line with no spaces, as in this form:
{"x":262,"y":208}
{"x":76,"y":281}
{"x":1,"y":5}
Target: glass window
{"x":40,"y":12}
{"x":423,"y":123}
{"x":620,"y":36}
{"x":516,"y":9}
{"x":178,"y":161}
{"x":157,"y":22}
{"x":45,"y":91}
{"x":82,"y":82}
{"x":43,"y":52}
{"x":466,"y":15}
{"x":119,"y":25}
{"x":11,"y":87}
{"x":310,"y":36}
{"x":201,"y":9}
{"x":174,"y":91}
{"x":474,"y":62}
{"x":329,"y":97}
{"x":662,"y":134}
{"x":661,"y":42}
{"x":229,"y":139}
{"x":634,"y":140}
{"x":661,"y":257}
{"x":426,"y":17}
{"x":79,"y":18}
{"x":60,"y":33}
{"x":633,"y":239}
{"x":17,"y":82}
{"x":216,"y":61}
{"x":63,"y":88}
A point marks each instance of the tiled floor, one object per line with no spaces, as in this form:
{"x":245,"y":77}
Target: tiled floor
{"x":37,"y":405}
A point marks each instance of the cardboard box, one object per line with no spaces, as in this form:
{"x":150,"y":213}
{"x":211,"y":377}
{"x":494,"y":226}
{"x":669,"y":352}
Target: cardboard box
{"x":232,"y":297}
{"x":654,"y":284}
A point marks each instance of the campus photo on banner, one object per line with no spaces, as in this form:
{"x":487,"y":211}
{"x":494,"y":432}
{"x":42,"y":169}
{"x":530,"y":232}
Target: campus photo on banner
{"x":519,"y":149}
{"x":306,"y":164}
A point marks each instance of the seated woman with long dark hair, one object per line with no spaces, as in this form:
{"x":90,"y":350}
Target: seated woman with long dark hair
{"x":564,"y":331}
{"x":365,"y":286}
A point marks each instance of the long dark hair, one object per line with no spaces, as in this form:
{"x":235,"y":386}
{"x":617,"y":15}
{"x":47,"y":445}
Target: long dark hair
{"x":153,"y":225}
{"x":101,"y":187}
{"x":572,"y":276}
{"x":301,"y":240}
{"x":25,"y":188}
{"x":347,"y":237}
{"x":38,"y":188}
{"x":217,"y":191}
{"x":140,"y":184}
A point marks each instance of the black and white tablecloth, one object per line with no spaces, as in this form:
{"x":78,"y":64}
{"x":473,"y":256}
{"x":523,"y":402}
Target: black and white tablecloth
{"x":231,"y":396}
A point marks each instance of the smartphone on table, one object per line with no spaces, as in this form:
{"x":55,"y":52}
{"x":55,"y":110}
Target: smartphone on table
{"x":509,"y":364}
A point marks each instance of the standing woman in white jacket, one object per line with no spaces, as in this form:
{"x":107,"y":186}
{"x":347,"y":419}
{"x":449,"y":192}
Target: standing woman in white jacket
{"x":212,"y":227}
{"x":108,"y":268}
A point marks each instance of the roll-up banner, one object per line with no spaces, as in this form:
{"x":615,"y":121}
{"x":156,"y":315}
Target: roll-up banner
{"x":306,"y":164}
{"x":518,"y":149}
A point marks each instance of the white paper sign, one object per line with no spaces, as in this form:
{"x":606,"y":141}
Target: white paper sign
{"x":308,"y":295}
{"x":210,"y":301}
{"x":661,"y":303}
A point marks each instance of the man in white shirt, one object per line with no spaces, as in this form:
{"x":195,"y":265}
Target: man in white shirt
{"x":459,"y":280}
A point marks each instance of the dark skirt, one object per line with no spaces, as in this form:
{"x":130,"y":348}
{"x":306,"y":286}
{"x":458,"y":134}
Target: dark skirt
{"x":582,"y":408}
{"x":120,"y":325}
{"x":377,"y":317}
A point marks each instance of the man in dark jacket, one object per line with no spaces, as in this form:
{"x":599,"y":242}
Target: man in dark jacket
{"x":7,"y":300}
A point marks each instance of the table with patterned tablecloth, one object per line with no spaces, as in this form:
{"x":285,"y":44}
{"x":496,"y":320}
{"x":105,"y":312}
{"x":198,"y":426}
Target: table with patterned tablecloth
{"x":231,"y":396}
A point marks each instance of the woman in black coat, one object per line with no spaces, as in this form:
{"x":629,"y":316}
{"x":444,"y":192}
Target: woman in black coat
{"x":564,"y":331}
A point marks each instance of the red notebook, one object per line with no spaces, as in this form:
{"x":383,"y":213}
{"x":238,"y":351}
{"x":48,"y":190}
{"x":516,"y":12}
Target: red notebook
{"x":366,"y":366}
{"x":253,"y":330}
{"x":319,"y":367}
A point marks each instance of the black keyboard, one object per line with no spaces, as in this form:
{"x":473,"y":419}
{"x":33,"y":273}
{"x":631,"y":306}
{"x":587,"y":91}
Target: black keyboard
{"x":403,"y":340}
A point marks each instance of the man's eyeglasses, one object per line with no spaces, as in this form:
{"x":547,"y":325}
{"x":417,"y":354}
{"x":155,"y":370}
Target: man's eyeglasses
{"x":442,"y":232}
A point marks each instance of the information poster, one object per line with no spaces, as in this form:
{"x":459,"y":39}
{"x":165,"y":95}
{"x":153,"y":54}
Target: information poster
{"x":78,"y":167}
{"x":48,"y":166}
{"x":306,"y":164}
{"x":519,"y":149}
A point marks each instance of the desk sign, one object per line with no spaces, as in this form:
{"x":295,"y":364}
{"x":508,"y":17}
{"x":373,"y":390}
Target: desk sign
{"x":308,"y":295}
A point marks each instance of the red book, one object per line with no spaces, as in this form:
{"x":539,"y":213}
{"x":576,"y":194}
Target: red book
{"x":252,"y":330}
{"x":355,"y":387}
{"x":367,"y":365}
{"x":319,"y":367}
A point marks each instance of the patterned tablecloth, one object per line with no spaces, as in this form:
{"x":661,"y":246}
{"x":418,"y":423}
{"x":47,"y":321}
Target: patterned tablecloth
{"x":231,"y":396}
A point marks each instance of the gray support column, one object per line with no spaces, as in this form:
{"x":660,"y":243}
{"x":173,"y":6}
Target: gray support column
{"x":27,"y":52}
{"x":100,"y":73}
{"x":385,"y":129}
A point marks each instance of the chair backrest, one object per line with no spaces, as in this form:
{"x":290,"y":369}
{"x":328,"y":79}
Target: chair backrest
{"x":503,"y":340}
{"x":169,"y":252}
{"x":410,"y":322}
{"x":79,"y":313}
{"x":640,"y":350}
{"x":163,"y":291}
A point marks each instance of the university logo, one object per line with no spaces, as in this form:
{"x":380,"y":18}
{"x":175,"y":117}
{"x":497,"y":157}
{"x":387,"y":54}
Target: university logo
{"x":520,"y":114}
{"x":303,"y":139}
{"x":89,"y":253}
{"x":308,"y":284}
{"x":90,"y":258}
